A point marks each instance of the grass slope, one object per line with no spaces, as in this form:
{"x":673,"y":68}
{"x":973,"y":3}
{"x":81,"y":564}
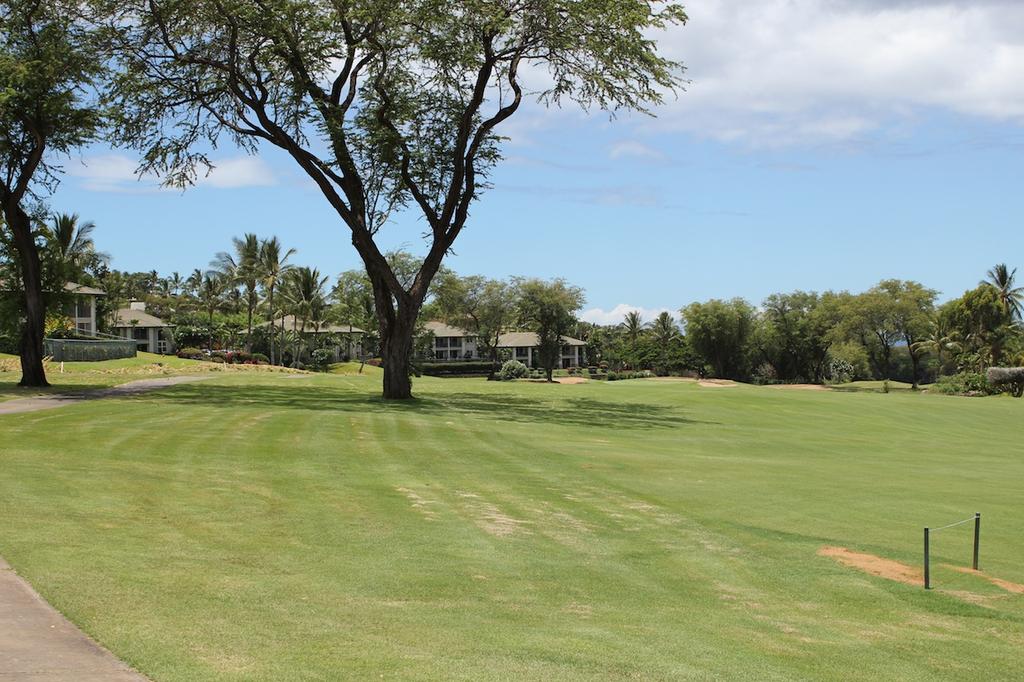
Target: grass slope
{"x":84,"y":376}
{"x":251,"y":527}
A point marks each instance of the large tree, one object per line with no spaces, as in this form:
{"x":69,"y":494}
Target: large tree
{"x":720,"y":333}
{"x":549,"y":309}
{"x":384,"y":104}
{"x":913,"y":309}
{"x":484,"y":307}
{"x":49,"y":70}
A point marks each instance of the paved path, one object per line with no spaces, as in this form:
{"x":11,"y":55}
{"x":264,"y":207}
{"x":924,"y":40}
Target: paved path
{"x":37,"y":644}
{"x":49,"y":402}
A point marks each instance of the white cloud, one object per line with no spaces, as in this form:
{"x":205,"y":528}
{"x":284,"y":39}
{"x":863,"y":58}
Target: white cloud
{"x":618,"y":314}
{"x":245,"y":171}
{"x":116,"y":173}
{"x":777,"y":72}
{"x":634,"y":149}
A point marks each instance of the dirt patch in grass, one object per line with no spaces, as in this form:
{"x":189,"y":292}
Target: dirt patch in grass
{"x":801,"y":387}
{"x":716,"y":383}
{"x":571,"y":380}
{"x":875,"y":565}
{"x":1015,"y":588}
{"x":418,"y":503}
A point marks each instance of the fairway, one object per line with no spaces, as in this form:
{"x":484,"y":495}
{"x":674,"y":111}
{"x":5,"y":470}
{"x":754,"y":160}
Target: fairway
{"x":274,"y":527}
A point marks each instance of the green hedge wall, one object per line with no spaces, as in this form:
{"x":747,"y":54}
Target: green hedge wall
{"x":456,"y":368}
{"x":75,"y":350}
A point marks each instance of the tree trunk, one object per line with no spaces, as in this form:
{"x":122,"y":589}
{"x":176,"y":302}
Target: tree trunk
{"x":396,"y":331}
{"x":396,"y":352}
{"x":272,"y":327}
{"x":248,"y":334}
{"x":31,"y":344}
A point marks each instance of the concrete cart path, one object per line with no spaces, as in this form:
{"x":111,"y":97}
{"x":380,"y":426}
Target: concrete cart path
{"x":49,"y":402}
{"x":37,"y":644}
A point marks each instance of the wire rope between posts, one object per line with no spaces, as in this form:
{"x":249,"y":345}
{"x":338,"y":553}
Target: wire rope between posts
{"x":950,"y":525}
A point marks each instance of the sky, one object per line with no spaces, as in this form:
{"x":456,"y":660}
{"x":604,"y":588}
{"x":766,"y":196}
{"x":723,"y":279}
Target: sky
{"x":819,"y":144}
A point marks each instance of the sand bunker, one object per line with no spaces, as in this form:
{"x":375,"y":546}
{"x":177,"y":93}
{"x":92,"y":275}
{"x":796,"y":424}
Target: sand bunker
{"x":875,"y":565}
{"x":571,"y":380}
{"x":716,"y":383}
{"x":801,"y":387}
{"x":1015,"y":588}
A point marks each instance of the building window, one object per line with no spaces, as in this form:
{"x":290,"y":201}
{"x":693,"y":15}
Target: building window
{"x":441,"y":342}
{"x":85,"y":328}
{"x":522,"y":352}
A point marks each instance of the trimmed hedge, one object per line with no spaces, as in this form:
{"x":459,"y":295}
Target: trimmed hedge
{"x":78,"y":350}
{"x":1009,"y":379}
{"x":455,"y":369}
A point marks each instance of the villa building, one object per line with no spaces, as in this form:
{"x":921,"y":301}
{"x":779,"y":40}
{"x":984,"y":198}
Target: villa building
{"x":150,"y":333}
{"x":452,"y":343}
{"x":348,"y":338}
{"x":81,"y":310}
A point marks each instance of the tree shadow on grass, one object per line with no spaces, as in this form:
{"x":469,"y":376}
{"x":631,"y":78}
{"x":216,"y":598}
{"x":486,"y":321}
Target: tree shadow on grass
{"x":572,"y":411}
{"x":11,"y":390}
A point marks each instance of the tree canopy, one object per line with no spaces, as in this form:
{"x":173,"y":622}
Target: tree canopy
{"x":383,"y":104}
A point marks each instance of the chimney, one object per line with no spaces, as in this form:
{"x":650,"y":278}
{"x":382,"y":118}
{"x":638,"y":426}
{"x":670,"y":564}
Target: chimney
{"x":137,"y":305}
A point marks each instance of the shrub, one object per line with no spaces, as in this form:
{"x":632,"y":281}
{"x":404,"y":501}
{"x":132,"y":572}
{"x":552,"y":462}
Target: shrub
{"x":1010,"y":379}
{"x":765,"y":374}
{"x":962,"y":383}
{"x":260,"y":359}
{"x":613,"y":376}
{"x":320,"y":358}
{"x":512,"y":369}
{"x":218,"y":359}
{"x":840,"y":371}
{"x":191,"y":353}
{"x":451,"y":369}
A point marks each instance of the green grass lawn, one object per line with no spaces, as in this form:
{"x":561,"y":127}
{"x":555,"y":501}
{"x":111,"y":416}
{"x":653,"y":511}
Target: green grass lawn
{"x":252,"y":527}
{"x":72,"y":377}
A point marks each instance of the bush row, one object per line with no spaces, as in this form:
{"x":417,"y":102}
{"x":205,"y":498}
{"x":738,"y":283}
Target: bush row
{"x":451,"y":369}
{"x":237,"y":357}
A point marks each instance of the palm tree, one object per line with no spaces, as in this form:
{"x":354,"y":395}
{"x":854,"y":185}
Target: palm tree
{"x":664,"y":328}
{"x":193,"y":282}
{"x":72,"y":244}
{"x":176,"y":283}
{"x":665,"y":331}
{"x":211,"y":296}
{"x":243,"y":267}
{"x":633,"y":326}
{"x":1003,"y":279}
{"x":273,"y":264}
{"x":939,"y":338}
{"x":305,"y":294}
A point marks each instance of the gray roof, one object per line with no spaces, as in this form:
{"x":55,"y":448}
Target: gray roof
{"x":531,"y":340}
{"x":76,"y":288}
{"x":290,"y":322}
{"x":142,"y":319}
{"x":442,"y":329}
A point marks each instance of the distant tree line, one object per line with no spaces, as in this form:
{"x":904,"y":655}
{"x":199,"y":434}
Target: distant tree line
{"x":895,"y":330}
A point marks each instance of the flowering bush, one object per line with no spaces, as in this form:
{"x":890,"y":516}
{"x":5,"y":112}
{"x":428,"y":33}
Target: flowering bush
{"x":512,"y":369}
{"x":1009,"y":379}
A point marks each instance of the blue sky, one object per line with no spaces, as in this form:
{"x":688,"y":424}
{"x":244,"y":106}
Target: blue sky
{"x":821,"y":144}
